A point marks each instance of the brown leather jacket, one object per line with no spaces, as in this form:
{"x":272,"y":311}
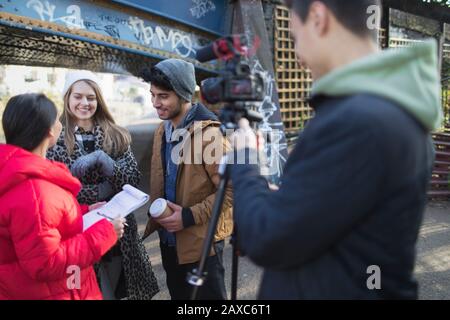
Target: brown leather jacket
{"x":196,"y":188}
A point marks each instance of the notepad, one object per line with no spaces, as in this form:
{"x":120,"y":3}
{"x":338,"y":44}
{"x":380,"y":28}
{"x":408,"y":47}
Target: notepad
{"x":121,"y":205}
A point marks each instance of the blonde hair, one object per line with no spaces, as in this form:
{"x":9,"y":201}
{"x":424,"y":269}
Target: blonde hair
{"x":117,"y":138}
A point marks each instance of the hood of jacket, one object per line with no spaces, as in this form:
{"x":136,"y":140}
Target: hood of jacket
{"x":18,"y":165}
{"x":198,"y":112}
{"x":406,"y":76}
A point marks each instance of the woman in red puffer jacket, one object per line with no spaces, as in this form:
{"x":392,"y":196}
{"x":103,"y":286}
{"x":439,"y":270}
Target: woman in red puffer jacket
{"x":44,"y":253}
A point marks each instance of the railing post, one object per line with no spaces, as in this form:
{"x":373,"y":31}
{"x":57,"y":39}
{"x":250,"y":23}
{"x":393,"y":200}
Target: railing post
{"x":441,"y":41}
{"x":385,"y":24}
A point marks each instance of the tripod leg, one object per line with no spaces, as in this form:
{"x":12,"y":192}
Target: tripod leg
{"x":197,"y":277}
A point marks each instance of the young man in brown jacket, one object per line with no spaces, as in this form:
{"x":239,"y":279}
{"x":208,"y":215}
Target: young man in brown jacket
{"x":184,"y":172}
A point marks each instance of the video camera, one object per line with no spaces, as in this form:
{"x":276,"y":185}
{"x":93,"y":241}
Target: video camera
{"x":238,"y":85}
{"x":239,"y":88}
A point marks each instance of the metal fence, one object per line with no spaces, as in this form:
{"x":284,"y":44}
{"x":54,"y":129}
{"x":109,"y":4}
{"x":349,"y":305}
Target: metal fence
{"x":446,"y":102}
{"x":293,"y":80}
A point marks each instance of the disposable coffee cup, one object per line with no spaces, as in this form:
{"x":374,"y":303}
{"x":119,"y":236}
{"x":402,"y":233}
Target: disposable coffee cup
{"x":160,"y":209}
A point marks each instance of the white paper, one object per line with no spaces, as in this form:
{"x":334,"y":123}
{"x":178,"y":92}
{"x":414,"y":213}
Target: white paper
{"x":121,"y":205}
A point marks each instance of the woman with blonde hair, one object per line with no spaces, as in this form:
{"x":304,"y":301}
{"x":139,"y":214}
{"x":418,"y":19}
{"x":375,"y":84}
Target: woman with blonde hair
{"x":97,"y":151}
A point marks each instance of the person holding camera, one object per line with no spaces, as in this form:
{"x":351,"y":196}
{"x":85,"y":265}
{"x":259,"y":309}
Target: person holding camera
{"x":184,"y":172}
{"x":44,"y":252}
{"x":345,"y":221}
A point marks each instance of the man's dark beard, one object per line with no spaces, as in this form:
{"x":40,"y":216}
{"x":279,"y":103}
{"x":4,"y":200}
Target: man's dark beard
{"x":176,"y":112}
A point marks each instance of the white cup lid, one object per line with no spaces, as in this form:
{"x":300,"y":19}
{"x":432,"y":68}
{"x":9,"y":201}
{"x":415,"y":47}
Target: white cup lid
{"x":158,"y":206}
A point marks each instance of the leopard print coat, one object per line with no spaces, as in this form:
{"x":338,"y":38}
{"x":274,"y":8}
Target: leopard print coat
{"x":140,"y":281}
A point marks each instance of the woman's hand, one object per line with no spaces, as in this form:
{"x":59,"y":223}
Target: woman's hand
{"x":84,"y":163}
{"x":119,"y":226}
{"x":106,"y":163}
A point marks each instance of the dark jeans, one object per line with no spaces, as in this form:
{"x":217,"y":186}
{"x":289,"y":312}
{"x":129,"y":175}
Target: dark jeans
{"x":179,"y":289}
{"x":111,"y":276}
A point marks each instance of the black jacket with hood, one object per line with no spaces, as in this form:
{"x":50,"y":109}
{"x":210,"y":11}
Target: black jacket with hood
{"x":345,"y":221}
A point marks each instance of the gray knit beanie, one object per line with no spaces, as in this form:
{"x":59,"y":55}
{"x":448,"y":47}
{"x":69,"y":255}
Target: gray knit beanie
{"x":181,"y":75}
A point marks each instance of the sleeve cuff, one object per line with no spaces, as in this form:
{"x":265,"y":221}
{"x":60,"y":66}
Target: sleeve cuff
{"x":188,"y":217}
{"x":84,"y":208}
{"x":115,"y":171}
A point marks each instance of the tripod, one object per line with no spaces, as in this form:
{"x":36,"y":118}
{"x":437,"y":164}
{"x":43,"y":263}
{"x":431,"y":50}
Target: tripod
{"x":230,"y":116}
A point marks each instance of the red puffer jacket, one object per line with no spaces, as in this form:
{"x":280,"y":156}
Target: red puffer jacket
{"x":44,"y":253}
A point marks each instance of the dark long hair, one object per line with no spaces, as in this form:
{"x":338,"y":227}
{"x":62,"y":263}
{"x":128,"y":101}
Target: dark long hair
{"x":27,"y":120}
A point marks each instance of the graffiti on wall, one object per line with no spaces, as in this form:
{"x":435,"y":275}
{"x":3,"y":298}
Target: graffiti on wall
{"x":156,"y":37}
{"x":276,"y":146}
{"x":201,"y":7}
{"x":46,"y":11}
{"x":271,"y":125}
{"x":86,"y":15}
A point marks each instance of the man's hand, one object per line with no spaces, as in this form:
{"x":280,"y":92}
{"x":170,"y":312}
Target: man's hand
{"x":244,"y":137}
{"x":174,"y":222}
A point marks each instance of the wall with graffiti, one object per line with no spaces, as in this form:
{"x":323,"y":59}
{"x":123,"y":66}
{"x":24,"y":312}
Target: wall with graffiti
{"x":93,"y":17}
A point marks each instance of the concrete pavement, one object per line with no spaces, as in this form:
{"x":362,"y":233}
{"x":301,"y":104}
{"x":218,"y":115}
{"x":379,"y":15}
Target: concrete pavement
{"x":432,"y":267}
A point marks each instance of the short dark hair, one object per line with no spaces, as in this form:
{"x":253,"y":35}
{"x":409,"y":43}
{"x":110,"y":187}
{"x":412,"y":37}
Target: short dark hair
{"x":352,"y":14}
{"x":27,"y":120}
{"x":157,"y":77}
